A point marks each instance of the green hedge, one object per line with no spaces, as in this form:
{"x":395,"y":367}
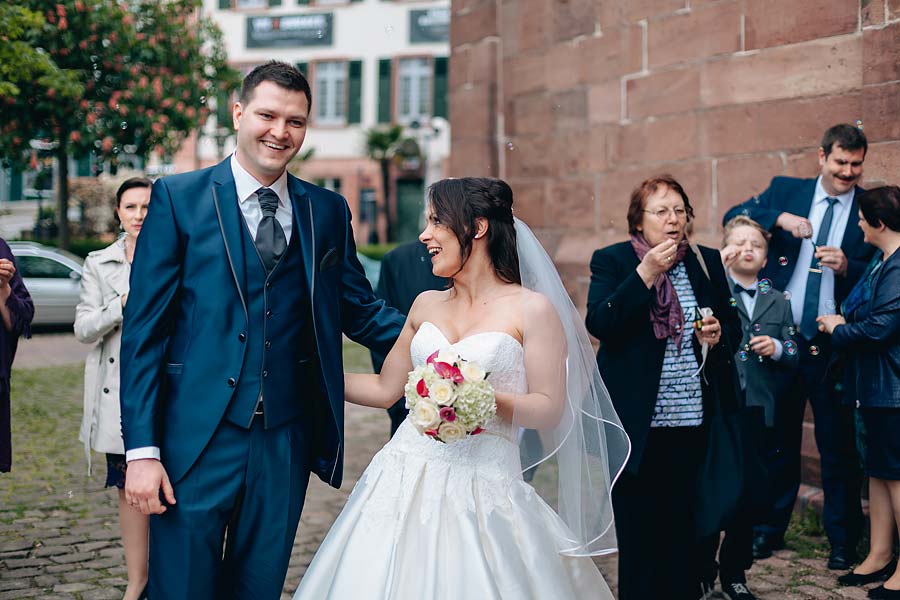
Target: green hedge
{"x":376,"y":251}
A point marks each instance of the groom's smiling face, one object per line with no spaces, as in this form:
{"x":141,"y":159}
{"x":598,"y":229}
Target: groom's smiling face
{"x":442,"y":245}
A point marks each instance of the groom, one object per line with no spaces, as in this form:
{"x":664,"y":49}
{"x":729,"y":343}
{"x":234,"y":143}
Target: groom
{"x":232,"y":385}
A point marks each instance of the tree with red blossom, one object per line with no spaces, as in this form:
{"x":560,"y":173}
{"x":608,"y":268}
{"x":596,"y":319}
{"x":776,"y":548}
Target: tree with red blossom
{"x":146,"y":70}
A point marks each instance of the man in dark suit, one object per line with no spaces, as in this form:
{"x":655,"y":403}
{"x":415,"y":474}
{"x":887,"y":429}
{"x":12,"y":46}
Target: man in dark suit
{"x":232,"y":383}
{"x":815,"y":256}
{"x":405,"y":273}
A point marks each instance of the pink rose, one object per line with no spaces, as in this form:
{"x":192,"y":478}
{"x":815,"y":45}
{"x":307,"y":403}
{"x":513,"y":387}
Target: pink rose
{"x":448,"y":414}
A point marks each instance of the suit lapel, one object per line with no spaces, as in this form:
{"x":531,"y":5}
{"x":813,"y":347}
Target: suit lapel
{"x":763,"y":303}
{"x":306,"y":235}
{"x":230,"y":225}
{"x":853,"y":235}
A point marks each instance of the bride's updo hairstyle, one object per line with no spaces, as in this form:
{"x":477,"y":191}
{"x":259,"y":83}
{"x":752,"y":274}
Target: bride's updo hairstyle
{"x":457,"y":203}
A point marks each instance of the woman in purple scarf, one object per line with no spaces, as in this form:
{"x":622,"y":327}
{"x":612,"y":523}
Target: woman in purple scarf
{"x":646,"y":305}
{"x":16,"y":312}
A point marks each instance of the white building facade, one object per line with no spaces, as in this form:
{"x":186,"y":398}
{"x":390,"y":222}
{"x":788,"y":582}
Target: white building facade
{"x":370,"y":63}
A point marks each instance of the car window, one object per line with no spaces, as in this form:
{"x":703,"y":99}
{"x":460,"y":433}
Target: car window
{"x":38,"y":266}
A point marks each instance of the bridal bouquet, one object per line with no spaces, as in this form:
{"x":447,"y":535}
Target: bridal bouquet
{"x":449,"y":397}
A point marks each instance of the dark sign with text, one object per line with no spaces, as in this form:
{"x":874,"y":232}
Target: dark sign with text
{"x":289,"y":31}
{"x":429,"y":25}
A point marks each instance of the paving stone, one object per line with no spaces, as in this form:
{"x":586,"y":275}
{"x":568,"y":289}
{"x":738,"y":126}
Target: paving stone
{"x":20,"y":573}
{"x":14,"y":554}
{"x":17,"y":594}
{"x":79,"y":575}
{"x":14,"y":584}
{"x":105,"y":534}
{"x":63,"y":540}
{"x":46,"y":580}
{"x":56,"y":597}
{"x":60,"y":568}
{"x":73,"y":587}
{"x":12,"y":546}
{"x":102,"y":594}
{"x":52,"y":550}
{"x":72,"y":558}
{"x":113,"y":582}
{"x":101,"y":563}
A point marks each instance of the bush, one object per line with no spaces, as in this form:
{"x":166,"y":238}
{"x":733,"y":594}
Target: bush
{"x":376,"y":251}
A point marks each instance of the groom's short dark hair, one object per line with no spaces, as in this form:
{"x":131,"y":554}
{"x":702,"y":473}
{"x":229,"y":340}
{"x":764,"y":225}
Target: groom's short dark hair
{"x":281,"y":74}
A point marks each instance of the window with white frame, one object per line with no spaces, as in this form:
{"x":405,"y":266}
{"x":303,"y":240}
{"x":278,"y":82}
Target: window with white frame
{"x":331,"y":93}
{"x":413,"y":89}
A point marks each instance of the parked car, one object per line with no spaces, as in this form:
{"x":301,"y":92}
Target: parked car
{"x":53,"y":278}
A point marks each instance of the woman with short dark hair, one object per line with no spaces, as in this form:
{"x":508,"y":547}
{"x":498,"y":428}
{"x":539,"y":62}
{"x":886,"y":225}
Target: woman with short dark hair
{"x":98,"y":321}
{"x":644,"y":305}
{"x":868,"y":335}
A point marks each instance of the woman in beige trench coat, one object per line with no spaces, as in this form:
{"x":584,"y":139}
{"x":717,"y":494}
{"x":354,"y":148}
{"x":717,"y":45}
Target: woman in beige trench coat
{"x":98,"y":321}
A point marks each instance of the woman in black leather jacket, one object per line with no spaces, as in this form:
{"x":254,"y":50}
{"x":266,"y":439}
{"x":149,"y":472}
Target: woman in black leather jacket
{"x":869,"y":339}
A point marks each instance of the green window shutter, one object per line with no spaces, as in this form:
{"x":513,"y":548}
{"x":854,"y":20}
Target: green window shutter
{"x":223,"y":110}
{"x":439,"y":97}
{"x":356,"y":0}
{"x":15,"y":184}
{"x":302,"y":2}
{"x":303,"y":67}
{"x":384,"y":90}
{"x":224,"y":3}
{"x":83,"y":166}
{"x":274,"y":2}
{"x":354,"y":92}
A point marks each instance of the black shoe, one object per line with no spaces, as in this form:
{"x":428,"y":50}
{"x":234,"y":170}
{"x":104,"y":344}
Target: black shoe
{"x":882,"y":593}
{"x":881,"y":574}
{"x":737,"y":591}
{"x":764,"y":544}
{"x":841,"y":558}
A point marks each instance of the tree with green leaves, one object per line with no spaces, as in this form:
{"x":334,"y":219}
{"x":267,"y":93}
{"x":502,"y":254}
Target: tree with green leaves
{"x":146,"y":68}
{"x":381,"y":145}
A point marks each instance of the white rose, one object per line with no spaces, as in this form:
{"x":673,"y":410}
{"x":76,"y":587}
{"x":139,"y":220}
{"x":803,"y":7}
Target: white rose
{"x":425,"y":415}
{"x":472,"y":372}
{"x":442,"y":392}
{"x":451,"y":432}
{"x":448,"y":356}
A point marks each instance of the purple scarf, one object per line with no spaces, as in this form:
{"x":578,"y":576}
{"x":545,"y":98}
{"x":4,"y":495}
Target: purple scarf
{"x":665,"y":312}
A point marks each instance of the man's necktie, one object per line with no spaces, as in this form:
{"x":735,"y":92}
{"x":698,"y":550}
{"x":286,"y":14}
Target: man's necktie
{"x":738,"y":288}
{"x":270,"y":241}
{"x":808,"y":325}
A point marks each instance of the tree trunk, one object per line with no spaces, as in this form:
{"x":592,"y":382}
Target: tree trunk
{"x":62,"y":196}
{"x":388,"y":204}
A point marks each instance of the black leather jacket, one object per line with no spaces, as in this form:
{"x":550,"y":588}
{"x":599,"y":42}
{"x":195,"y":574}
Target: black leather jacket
{"x":870,"y":342}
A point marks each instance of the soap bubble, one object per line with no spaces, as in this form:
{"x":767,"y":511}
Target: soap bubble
{"x":814,"y":350}
{"x":743,"y":355}
{"x":787,"y":295}
{"x":765,"y":286}
{"x":732,"y":301}
{"x":790,"y":347}
{"x":756,"y":328}
{"x":783,"y":261}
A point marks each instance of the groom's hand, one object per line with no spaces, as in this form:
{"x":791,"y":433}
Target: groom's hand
{"x":143,"y":480}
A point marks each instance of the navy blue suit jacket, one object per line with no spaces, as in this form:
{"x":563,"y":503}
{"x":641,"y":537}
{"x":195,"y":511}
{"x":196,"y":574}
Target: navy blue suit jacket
{"x":186,"y":309}
{"x":795,"y":196}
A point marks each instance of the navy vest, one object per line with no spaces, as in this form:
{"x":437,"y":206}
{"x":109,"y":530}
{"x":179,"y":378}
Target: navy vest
{"x":279,"y":338}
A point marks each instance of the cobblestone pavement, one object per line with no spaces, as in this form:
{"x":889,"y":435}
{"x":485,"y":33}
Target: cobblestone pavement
{"x":65,"y":545}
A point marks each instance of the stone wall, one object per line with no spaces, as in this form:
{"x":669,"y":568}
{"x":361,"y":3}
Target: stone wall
{"x":574,"y":102}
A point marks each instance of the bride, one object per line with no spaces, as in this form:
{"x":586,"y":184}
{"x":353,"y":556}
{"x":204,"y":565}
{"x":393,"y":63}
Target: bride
{"x":436,"y":521}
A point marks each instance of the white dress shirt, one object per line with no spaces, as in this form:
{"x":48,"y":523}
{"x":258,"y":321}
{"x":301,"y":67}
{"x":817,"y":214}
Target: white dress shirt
{"x":246,"y":186}
{"x":797,"y":284}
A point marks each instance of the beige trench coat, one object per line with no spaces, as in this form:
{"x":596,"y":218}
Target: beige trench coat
{"x":98,"y":321}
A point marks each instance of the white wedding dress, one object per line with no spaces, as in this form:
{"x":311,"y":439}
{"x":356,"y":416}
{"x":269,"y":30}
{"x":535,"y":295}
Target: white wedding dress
{"x":434,"y":521}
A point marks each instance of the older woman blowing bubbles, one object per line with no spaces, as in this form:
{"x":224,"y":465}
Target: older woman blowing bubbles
{"x":642,"y":304}
{"x":868,"y":334}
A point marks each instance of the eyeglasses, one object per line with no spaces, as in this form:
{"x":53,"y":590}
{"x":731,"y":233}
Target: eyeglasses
{"x":662,"y":213}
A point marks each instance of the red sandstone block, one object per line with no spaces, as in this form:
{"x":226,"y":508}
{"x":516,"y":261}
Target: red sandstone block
{"x":605,"y":102}
{"x":776,"y":23}
{"x":740,"y":178}
{"x":575,"y":251}
{"x":535,"y":24}
{"x":883,"y":162}
{"x":775,"y":126}
{"x":701,"y":33}
{"x":813,"y":68}
{"x":803,"y":164}
{"x":523,"y":74}
{"x":615,"y":53}
{"x":459,"y":67}
{"x":482,"y":62}
{"x":529,"y":200}
{"x":666,"y":139}
{"x":474,"y":105}
{"x":473,"y":158}
{"x":510,"y":27}
{"x":663,"y":93}
{"x":635,"y":10}
{"x":881,"y":54}
{"x":570,"y":153}
{"x":470,"y":26}
{"x":526,"y":156}
{"x":531,"y":113}
{"x":872,"y":12}
{"x":893,"y":7}
{"x":570,"y":109}
{"x":572,"y":203}
{"x":573,"y":18}
{"x":881,"y":112}
{"x":561,"y":66}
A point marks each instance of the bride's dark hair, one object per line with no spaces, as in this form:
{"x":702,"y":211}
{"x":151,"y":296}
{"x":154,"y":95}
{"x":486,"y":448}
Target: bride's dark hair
{"x":458,"y":203}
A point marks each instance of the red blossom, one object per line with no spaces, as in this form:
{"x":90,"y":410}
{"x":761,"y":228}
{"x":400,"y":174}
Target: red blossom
{"x":447,"y":414}
{"x":433,"y":356}
{"x":75,"y":136}
{"x":422,"y":388}
{"x":442,"y":369}
{"x":477,"y":430}
{"x":63,"y":25}
{"x":431,"y":432}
